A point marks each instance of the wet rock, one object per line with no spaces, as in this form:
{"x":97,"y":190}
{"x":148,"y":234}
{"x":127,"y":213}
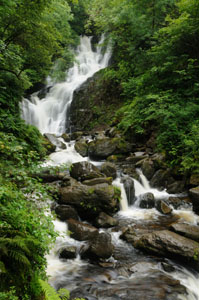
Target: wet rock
{"x":84,"y":171}
{"x":68,"y":252}
{"x":147,"y":200}
{"x":163,"y":207}
{"x":100,"y":180}
{"x":169,"y":244}
{"x":106,"y":221}
{"x":161,"y":179}
{"x":82,"y":231}
{"x":187,"y":230}
{"x":76,"y":135}
{"x":66,"y":137}
{"x":49,"y":146}
{"x":48,"y":176}
{"x":82,"y":148}
{"x":148,"y":168}
{"x":167,"y":267}
{"x":109,"y":169}
{"x":134,"y":159}
{"x":91,"y":200}
{"x":100,"y":247}
{"x":55,"y":141}
{"x":158,"y":160}
{"x":129,"y":189}
{"x":178,"y":202}
{"x":175,"y":187}
{"x":102,"y":148}
{"x":112,"y":132}
{"x":194,"y":196}
{"x":131,"y":171}
{"x":65,"y":212}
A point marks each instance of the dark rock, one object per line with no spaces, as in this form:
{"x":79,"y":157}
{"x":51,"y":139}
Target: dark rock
{"x":82,"y":148}
{"x":161,"y":179}
{"x":76,"y":135}
{"x":169,"y":244}
{"x":167,"y":267}
{"x":100,"y":247}
{"x":147,"y":200}
{"x":100,"y":180}
{"x":65,"y":212}
{"x":163,"y":207}
{"x":82,"y":231}
{"x":134,"y":159}
{"x":187,"y":230}
{"x":91,"y":200}
{"x":49,"y":146}
{"x":175,"y":187}
{"x":106,"y":221}
{"x":148,"y":168}
{"x":109,"y":169}
{"x":159,"y":160}
{"x":54,"y":140}
{"x":194,"y":180}
{"x":178,"y":202}
{"x":194,"y":196}
{"x":131,"y":171}
{"x":66,"y":137}
{"x":129,"y":189}
{"x":68,"y":252}
{"x":84,"y":171}
{"x":102,"y":148}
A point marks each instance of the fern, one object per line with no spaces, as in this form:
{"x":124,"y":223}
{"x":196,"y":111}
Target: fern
{"x":51,"y":294}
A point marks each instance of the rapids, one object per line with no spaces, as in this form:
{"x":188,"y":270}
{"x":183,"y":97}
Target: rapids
{"x":129,"y":272}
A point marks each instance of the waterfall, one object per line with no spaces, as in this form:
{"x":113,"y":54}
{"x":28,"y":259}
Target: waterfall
{"x":51,"y":114}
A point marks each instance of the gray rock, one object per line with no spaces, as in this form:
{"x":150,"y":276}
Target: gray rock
{"x":161,"y":179}
{"x":66,"y":137}
{"x":175,"y":187}
{"x":82,"y":231}
{"x":129,"y":189}
{"x":65,"y":212}
{"x":82,"y":148}
{"x":147,"y":200}
{"x":106,"y":221}
{"x":68,"y":252}
{"x":148,"y":168}
{"x":84,"y":171}
{"x":187,"y":230}
{"x":76,"y":135}
{"x":194,"y":196}
{"x":109,"y":169}
{"x":100,"y":180}
{"x":54,"y":140}
{"x":163,"y":207}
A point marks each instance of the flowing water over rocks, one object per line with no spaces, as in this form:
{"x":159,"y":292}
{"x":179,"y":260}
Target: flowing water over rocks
{"x":135,"y":254}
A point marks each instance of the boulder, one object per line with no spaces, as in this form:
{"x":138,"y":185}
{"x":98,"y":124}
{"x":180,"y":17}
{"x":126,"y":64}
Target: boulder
{"x":84,"y":171}
{"x":66,"y":137}
{"x":102,"y":148}
{"x":161,"y":179}
{"x":187,"y":230}
{"x":148,"y":168}
{"x":163,"y":207}
{"x":91,"y":200}
{"x":100,"y":247}
{"x":54,"y":140}
{"x":100,"y":180}
{"x":194,"y":196}
{"x":178,"y":202}
{"x":169,"y":244}
{"x":194,"y":180}
{"x":65,"y":212}
{"x":109,"y":169}
{"x":82,"y":148}
{"x":129,"y":189}
{"x":82,"y":231}
{"x":76,"y":135}
{"x":134,"y":159}
{"x":147,"y":200}
{"x":105,"y":221}
{"x":68,"y":252}
{"x":175,"y":187}
{"x":50,"y":148}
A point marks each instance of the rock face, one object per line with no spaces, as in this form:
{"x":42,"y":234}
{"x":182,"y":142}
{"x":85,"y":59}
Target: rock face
{"x":102,"y":148}
{"x":54,"y":140}
{"x":91,"y":200}
{"x":84,"y":171}
{"x":68,"y":252}
{"x":109,"y":169}
{"x":169,"y":244}
{"x":194,"y":195}
{"x":187,"y":230}
{"x":129,"y":189}
{"x":163,"y":207}
{"x":82,"y":231}
{"x":82,"y":148}
{"x":147,"y":201}
{"x":100,"y":247}
{"x":65,"y":212}
{"x":106,"y":221}
{"x":148,"y":168}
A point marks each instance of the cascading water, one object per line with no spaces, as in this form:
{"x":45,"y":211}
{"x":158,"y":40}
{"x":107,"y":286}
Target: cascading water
{"x":50,"y":116}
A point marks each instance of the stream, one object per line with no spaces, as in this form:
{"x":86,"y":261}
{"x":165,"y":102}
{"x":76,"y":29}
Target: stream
{"x":128,"y":274}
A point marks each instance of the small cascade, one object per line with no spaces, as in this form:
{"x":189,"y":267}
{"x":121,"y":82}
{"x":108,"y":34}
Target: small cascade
{"x":51,"y":114}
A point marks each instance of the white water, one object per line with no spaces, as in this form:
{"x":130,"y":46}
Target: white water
{"x":50,"y":115}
